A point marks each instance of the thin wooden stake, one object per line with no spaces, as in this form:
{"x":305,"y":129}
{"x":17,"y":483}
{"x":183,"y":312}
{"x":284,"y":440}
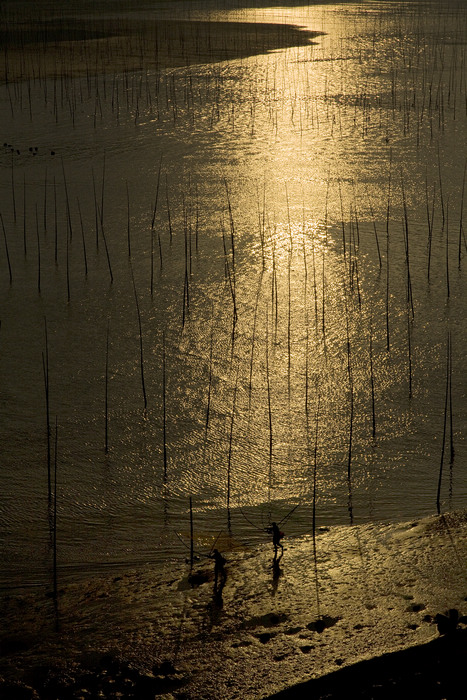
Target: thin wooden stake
{"x":55,"y":223}
{"x":128,"y":219}
{"x":38,"y":253}
{"x":13,"y":186}
{"x":55,"y":587}
{"x":191,"y":535}
{"x":451,"y":433}
{"x":6,"y":249}
{"x":157,"y":194}
{"x":229,"y":461}
{"x":68,"y":211}
{"x":85,"y":257}
{"x":443,"y":445}
{"x":24,"y":216}
{"x":461,"y":215}
{"x":387,"y":254}
{"x":141,"y":358}
{"x":268,"y":386}
{"x":372,"y":383}
{"x":106,"y":443}
{"x":208,"y":406}
{"x":376,"y":236}
{"x":315,"y":473}
{"x":45,"y":368}
{"x":164,"y":403}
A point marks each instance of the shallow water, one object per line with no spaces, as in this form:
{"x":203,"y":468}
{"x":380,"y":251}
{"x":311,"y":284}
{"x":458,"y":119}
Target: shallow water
{"x":298,"y":285}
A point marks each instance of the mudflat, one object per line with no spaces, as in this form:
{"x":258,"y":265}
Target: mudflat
{"x":358,"y":608}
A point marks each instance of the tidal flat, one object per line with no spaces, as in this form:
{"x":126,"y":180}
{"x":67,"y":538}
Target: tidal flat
{"x":359,"y":606}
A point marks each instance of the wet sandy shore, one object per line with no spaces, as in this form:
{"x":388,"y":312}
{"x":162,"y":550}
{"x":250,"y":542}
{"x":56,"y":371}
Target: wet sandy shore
{"x":362,"y":613}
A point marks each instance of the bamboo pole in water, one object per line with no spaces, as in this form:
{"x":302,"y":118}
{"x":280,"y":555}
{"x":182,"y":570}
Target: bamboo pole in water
{"x":106,"y":441}
{"x":151,"y":257}
{"x":13,"y":185}
{"x":164,"y":404}
{"x":315,"y":474}
{"x":344,"y":250}
{"x":25,"y":248}
{"x":376,"y":236}
{"x":355,"y":263}
{"x":160,"y":250}
{"x":409,"y":352}
{"x":128,"y":235}
{"x":224,"y":246}
{"x":208,"y":406}
{"x":186,"y":281}
{"x":328,"y":182}
{"x":441,"y":191}
{"x":68,"y":269}
{"x":406,"y":242}
{"x":67,"y":201}
{"x":96,"y":208}
{"x":107,"y":253}
{"x":6,"y":249}
{"x":85,"y":257}
{"x":196,"y":219}
{"x":169,"y":218}
{"x":229,"y":461}
{"x":55,"y":587}
{"x":289,"y":323}
{"x":274,"y":291}
{"x":429,"y":226}
{"x":191,"y":535}
{"x":154,"y":212}
{"x":45,"y":369}
{"x":55,"y":223}
{"x":38,"y":253}
{"x":102,"y":193}
{"x":253,"y":341}
{"x":45,"y":200}
{"x":305,"y":266}
{"x":315,"y":285}
{"x":268,"y":387}
{"x":461,"y":215}
{"x":387,"y":252}
{"x":446,"y":405}
{"x":372,"y":383}
{"x":451,"y":433}
{"x":261,"y":217}
{"x":351,"y":416}
{"x":141,"y":357}
{"x":323,"y":299}
{"x":448,"y":287}
{"x":232,"y":275}
{"x":190,"y":227}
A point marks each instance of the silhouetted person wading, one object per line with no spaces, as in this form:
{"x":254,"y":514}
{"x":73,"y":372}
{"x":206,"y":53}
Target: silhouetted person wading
{"x":277,"y":535}
{"x":219,"y":568}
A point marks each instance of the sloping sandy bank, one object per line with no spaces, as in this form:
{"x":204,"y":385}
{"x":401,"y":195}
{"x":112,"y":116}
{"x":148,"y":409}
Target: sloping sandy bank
{"x":375,"y":590}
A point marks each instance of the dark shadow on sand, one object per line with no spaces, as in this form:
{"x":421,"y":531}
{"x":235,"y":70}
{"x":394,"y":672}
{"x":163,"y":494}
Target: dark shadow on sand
{"x":430,"y":671}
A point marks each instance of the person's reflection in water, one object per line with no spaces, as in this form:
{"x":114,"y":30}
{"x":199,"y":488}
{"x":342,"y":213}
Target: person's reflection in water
{"x":220,"y":574}
{"x":276,"y":571}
